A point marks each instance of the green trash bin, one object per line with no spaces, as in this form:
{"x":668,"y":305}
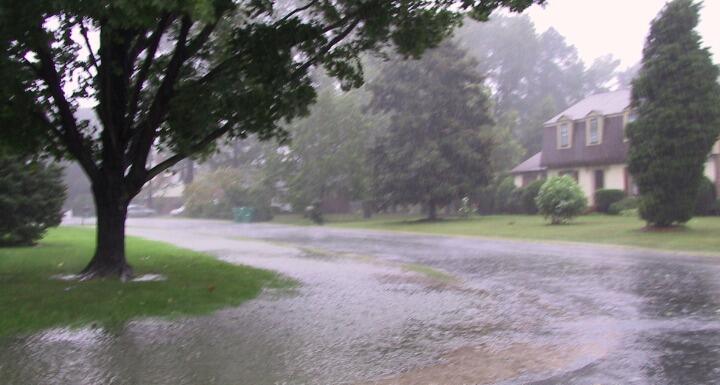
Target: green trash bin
{"x":243,"y":214}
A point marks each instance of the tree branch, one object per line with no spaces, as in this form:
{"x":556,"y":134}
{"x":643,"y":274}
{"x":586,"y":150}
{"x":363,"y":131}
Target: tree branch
{"x":201,"y":145}
{"x":145,"y":132}
{"x":217,"y":70}
{"x":71,"y":136}
{"x":342,"y":35}
{"x":145,"y":68}
{"x":113,"y":88}
{"x":91,"y":54}
{"x":202,"y":37}
{"x":298,"y":10}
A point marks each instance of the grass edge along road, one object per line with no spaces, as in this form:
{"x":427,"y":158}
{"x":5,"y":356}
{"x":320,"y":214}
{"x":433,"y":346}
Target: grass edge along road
{"x":196,"y":284}
{"x":701,"y":234}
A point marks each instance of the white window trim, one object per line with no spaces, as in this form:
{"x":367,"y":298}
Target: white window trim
{"x":601,"y":124}
{"x":570,"y":125}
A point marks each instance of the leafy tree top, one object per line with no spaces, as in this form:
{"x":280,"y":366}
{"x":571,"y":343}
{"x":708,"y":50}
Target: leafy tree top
{"x":438,"y":146}
{"x":180,"y":74}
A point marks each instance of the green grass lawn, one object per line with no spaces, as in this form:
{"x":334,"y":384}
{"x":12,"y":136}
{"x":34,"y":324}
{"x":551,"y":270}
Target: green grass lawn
{"x":196,"y":283}
{"x":700,"y":234}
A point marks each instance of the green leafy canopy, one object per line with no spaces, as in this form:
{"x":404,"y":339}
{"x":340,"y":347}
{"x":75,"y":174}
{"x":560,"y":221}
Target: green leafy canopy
{"x":438,"y":147}
{"x":180,"y":74}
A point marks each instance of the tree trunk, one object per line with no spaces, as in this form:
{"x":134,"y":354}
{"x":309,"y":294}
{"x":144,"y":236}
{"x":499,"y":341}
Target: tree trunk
{"x":432,"y":211}
{"x":109,"y":258}
{"x":367,"y":208}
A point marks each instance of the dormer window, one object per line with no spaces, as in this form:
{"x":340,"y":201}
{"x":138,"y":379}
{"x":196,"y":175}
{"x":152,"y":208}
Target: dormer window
{"x":593,"y":130}
{"x":564,"y":134}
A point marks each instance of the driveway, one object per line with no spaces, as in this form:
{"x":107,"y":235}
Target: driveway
{"x":392,"y":308}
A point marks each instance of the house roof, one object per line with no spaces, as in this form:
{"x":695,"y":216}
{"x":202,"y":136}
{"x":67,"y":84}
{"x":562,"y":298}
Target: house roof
{"x":530,"y":165}
{"x":607,"y":103}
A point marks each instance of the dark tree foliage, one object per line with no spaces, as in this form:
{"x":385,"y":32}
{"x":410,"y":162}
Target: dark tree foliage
{"x":604,"y":198}
{"x":677,"y":98}
{"x":180,"y":75}
{"x":528,"y":195}
{"x":439,"y":142}
{"x":706,"y":197}
{"x":31,"y":199}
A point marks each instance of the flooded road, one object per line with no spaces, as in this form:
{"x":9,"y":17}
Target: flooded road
{"x":391,"y":308}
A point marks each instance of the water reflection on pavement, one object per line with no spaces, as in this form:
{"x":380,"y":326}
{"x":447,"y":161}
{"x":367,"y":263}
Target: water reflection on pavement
{"x":511,"y":313}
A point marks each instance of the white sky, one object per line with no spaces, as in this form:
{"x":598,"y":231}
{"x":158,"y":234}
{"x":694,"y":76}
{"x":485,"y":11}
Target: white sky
{"x":618,"y":27}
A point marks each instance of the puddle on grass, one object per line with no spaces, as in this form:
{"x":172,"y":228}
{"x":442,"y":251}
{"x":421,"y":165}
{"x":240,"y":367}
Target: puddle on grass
{"x":347,"y":323}
{"x":139,"y":278}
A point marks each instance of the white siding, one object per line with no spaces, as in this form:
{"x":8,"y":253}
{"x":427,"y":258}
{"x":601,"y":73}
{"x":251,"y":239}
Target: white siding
{"x":614,"y":178}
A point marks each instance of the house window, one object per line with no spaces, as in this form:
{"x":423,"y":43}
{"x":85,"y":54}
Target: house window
{"x":564,"y":135}
{"x":599,"y":179}
{"x":571,"y":173}
{"x":594,"y":131}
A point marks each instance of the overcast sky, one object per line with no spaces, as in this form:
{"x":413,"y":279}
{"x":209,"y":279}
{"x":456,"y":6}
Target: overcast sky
{"x":619,"y":27}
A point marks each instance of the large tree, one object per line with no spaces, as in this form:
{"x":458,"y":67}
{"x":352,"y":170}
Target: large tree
{"x":181,"y":74}
{"x":327,"y":155}
{"x":677,"y":98}
{"x":438,"y":146}
{"x":532,"y":75}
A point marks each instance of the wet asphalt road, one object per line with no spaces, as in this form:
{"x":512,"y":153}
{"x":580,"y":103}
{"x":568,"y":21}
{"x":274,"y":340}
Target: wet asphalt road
{"x":513,"y":313}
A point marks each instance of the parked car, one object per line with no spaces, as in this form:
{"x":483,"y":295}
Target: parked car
{"x":140,"y":211}
{"x":178,"y":211}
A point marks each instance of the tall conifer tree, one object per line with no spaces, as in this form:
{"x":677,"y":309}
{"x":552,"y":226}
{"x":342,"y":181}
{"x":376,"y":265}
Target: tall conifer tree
{"x":440,"y":141}
{"x":677,"y":98}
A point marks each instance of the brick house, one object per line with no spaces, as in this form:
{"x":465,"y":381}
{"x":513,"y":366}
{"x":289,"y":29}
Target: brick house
{"x":587,"y":141}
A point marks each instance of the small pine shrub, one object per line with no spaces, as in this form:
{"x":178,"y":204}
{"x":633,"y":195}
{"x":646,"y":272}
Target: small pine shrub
{"x":624,"y":205}
{"x":606,"y":197}
{"x":31,"y":199}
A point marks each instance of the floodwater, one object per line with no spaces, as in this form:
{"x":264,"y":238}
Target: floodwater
{"x":490,"y":312}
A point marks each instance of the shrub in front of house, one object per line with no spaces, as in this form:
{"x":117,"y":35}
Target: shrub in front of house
{"x":606,"y":197}
{"x":623,"y":206}
{"x":528,"y":195}
{"x":507,"y":197}
{"x":485,"y":200}
{"x":560,"y":199}
{"x":705,"y":201}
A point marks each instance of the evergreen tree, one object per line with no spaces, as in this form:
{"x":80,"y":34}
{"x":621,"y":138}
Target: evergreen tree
{"x":677,"y":98}
{"x":327,"y":152}
{"x":31,"y":199}
{"x":439,"y":143}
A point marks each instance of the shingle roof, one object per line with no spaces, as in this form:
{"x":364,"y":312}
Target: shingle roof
{"x":530,"y":165}
{"x":606,"y":103}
